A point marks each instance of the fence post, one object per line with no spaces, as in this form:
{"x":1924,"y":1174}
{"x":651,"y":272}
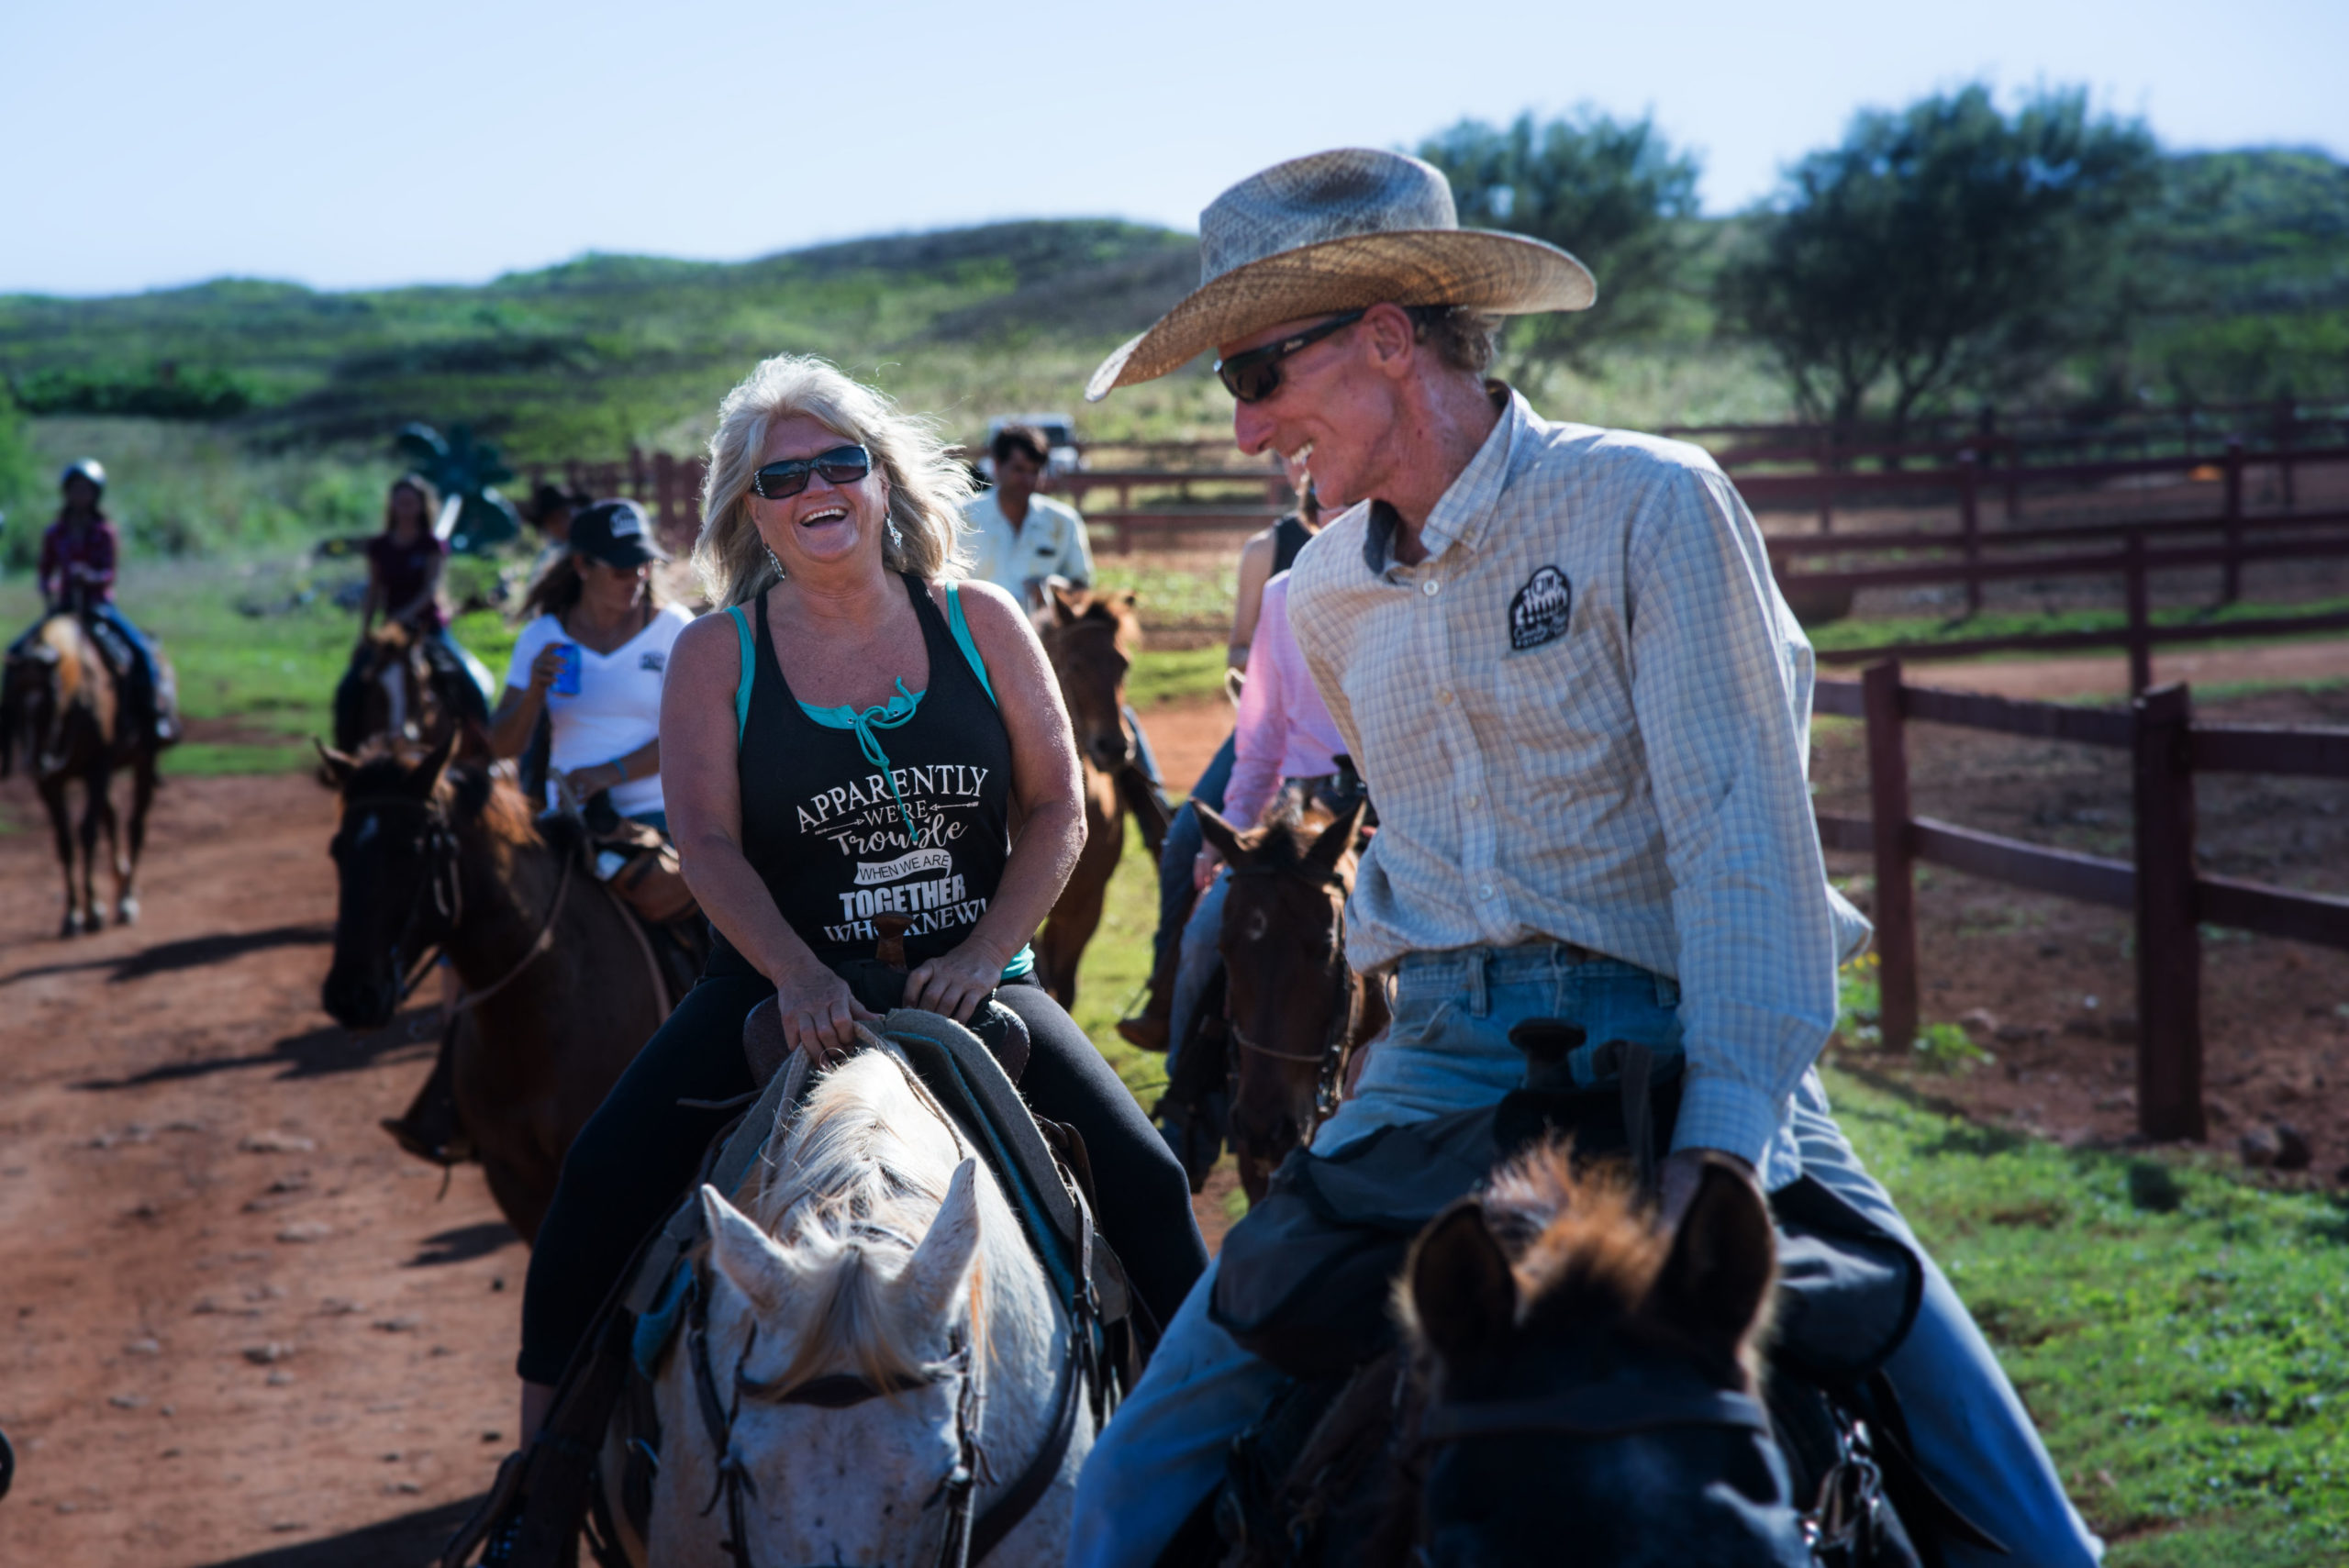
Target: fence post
{"x":2233,"y":587}
{"x":2140,"y":638}
{"x":1896,"y":894}
{"x":1827,"y":485}
{"x":2014,"y":480}
{"x":2287,"y":419}
{"x":1969,"y":511}
{"x":2169,"y":940}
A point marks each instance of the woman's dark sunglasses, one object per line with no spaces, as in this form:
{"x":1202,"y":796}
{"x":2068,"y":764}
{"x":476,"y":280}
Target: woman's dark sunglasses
{"x":841,"y":465}
{"x":1255,"y":375}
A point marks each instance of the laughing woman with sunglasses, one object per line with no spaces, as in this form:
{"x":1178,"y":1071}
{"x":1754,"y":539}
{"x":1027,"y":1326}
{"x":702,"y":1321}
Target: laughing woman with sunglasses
{"x":859,"y":732}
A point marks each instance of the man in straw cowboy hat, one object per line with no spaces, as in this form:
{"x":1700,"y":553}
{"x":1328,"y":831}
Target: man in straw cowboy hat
{"x":1560,"y":660}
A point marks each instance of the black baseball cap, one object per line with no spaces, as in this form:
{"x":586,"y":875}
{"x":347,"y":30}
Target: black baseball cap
{"x":616,"y":533}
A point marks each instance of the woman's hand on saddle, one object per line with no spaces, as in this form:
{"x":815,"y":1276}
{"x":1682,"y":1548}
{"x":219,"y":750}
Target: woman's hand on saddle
{"x":820,"y":1015}
{"x":955,"y":983}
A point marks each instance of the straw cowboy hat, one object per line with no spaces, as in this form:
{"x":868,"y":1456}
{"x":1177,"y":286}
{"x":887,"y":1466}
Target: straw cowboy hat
{"x":1341,"y":231}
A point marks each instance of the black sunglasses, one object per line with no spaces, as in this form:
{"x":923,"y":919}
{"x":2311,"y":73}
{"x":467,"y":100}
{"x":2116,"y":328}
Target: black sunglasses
{"x":841,"y":465}
{"x":1255,"y":375}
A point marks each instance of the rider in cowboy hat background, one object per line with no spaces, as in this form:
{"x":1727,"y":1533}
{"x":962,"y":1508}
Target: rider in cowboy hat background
{"x":1562,"y":665}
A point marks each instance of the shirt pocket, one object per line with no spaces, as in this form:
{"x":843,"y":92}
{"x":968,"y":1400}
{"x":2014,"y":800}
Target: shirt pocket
{"x":1553,"y":698}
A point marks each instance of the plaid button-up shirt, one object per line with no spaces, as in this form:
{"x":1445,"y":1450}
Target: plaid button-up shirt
{"x":1585,"y":717}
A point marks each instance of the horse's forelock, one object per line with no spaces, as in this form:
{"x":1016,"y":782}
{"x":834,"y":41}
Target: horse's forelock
{"x":853,"y":1182}
{"x":1581,"y":1241}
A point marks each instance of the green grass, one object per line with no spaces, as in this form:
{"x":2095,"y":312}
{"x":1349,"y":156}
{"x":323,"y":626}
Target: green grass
{"x":2181,"y":1335}
{"x":1174,"y":675}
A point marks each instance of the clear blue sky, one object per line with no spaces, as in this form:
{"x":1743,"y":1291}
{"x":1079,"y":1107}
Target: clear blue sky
{"x":150,"y":144}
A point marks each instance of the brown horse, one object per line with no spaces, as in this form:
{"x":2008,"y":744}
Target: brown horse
{"x":558,"y":989}
{"x":396,"y":688}
{"x":65,"y":707}
{"x":1091,"y":639}
{"x":1296,"y":1013}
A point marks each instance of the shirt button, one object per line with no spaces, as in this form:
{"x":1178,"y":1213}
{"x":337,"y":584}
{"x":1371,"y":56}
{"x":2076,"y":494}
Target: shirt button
{"x":1444,"y":697}
{"x":1470,"y":803}
{"x":1429,"y":587}
{"x":1485,"y":891}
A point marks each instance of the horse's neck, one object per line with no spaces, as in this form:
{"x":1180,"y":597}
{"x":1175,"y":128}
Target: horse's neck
{"x":1027,"y":1338}
{"x":508,"y":893}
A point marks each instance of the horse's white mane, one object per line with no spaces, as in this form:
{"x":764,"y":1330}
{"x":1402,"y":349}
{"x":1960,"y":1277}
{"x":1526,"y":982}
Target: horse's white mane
{"x":851,"y":1184}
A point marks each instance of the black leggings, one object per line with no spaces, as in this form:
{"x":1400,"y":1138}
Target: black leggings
{"x":632,"y":1160}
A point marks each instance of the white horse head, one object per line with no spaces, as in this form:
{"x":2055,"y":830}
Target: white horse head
{"x":878,"y":1330}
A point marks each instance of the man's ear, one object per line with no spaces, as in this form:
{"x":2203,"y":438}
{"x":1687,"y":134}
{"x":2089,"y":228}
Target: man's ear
{"x":1392,"y":338}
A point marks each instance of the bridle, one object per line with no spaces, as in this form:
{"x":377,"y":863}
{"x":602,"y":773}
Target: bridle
{"x":444,"y":887}
{"x":1345,"y":994}
{"x":1848,"y":1493}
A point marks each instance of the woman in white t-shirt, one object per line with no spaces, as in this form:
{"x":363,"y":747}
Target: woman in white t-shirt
{"x":593,"y":660}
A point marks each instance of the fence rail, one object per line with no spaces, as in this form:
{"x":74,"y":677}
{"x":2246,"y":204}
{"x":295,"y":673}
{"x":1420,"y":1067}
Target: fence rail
{"x":2171,"y":900}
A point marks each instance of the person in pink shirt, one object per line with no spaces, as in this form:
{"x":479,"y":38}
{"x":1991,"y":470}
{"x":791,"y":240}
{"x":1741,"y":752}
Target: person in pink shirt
{"x":1284,"y":739}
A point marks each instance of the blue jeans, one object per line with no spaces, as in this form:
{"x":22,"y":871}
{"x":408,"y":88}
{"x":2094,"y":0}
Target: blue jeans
{"x":1182,"y":843}
{"x":1202,"y":952}
{"x":1449,"y":1050}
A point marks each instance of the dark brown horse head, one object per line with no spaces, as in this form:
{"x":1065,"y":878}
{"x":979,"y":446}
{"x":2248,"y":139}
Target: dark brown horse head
{"x":399,"y":697}
{"x":412,"y":823}
{"x":1579,"y":1364}
{"x":1295,"y":1008}
{"x":1091,"y":638}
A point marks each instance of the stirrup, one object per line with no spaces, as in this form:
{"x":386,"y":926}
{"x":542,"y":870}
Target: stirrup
{"x":1144,"y":1032}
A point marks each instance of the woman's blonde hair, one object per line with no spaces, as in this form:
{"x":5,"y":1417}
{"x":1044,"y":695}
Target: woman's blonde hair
{"x":927,"y":485}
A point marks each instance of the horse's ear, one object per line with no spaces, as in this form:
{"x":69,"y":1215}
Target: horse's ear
{"x":1717,"y":1279}
{"x":1336,"y":840}
{"x":751,"y":1262}
{"x":1067,"y":604}
{"x":426,"y":776}
{"x":933,"y":1277}
{"x":335,"y":767}
{"x":1221,"y":834}
{"x":1463,"y":1296}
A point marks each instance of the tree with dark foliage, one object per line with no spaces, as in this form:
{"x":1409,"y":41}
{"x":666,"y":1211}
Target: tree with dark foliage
{"x":1944,"y":248}
{"x":1613,"y":192}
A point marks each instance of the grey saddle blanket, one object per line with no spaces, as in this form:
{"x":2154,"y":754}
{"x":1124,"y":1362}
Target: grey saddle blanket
{"x":1304,"y":1280}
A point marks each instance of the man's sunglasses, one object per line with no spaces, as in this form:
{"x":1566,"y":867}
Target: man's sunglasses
{"x":839,"y":466}
{"x":1255,"y":375}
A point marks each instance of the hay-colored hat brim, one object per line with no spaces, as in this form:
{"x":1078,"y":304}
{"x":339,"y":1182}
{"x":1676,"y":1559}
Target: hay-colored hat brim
{"x":1507,"y":275}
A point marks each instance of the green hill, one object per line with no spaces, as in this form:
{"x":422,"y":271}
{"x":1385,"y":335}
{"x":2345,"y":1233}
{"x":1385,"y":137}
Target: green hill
{"x":591,"y":355}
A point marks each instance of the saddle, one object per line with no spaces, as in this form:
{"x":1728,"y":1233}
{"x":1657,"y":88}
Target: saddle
{"x":1303,"y":1283}
{"x":554,"y":1487}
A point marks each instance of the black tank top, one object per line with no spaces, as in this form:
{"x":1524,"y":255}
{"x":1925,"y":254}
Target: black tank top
{"x":828,"y":834}
{"x":1290,"y":536}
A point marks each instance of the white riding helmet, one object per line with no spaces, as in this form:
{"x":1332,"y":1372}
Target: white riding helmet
{"x":89,"y":468}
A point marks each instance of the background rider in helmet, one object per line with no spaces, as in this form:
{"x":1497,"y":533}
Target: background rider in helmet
{"x":77,"y":573}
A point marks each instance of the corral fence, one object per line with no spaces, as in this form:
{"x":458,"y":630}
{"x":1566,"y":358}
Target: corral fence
{"x":2171,"y":900}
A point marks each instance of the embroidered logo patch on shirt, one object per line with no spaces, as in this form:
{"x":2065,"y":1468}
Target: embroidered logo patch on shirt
{"x":653,"y":660}
{"x":1541,"y":611}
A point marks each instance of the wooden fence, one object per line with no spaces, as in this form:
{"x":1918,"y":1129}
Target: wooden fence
{"x":2171,"y":900}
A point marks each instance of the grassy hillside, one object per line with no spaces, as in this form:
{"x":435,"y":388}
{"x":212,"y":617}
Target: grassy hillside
{"x":592,"y":355}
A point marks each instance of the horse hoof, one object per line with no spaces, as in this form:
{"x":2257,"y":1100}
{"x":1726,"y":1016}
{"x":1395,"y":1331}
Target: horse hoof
{"x":73,"y":925}
{"x":127,"y":912}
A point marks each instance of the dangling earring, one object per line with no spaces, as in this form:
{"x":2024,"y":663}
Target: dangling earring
{"x":780,"y":574}
{"x":896,"y":540}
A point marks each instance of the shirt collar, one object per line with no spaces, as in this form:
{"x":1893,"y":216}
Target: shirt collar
{"x":1466,"y":508}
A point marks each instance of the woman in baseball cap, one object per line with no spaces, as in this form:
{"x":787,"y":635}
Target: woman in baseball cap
{"x":592,"y":659}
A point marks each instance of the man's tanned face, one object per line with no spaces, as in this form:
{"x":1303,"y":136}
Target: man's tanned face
{"x":1337,"y":399}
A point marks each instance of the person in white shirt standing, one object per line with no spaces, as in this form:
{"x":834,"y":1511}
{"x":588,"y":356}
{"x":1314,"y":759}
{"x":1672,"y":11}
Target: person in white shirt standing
{"x":1561,"y":666}
{"x":593,"y":660}
{"x":1018,"y":538}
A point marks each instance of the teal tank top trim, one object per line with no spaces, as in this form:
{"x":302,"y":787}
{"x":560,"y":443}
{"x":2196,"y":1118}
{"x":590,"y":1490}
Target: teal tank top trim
{"x":898,"y":710}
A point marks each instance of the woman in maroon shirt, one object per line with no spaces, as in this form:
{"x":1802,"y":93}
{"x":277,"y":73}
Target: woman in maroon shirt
{"x":404,"y":567}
